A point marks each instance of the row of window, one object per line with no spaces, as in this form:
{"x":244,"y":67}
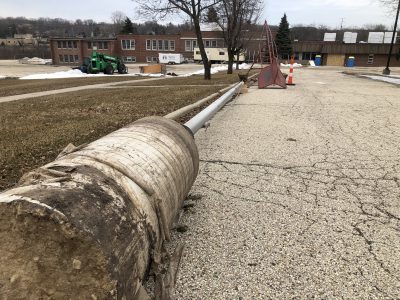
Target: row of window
{"x":128,"y":44}
{"x":69,"y":58}
{"x":98,"y":45}
{"x":150,"y":59}
{"x":128,"y":59}
{"x":163,"y":45}
{"x":67,"y":45}
{"x":166,"y":45}
{"x":191,"y":44}
{"x":370,"y":60}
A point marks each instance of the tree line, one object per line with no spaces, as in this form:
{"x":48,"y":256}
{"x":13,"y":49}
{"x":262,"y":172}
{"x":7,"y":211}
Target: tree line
{"x":57,"y":27}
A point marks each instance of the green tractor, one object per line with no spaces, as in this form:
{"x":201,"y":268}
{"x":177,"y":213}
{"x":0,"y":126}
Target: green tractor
{"x":99,"y":62}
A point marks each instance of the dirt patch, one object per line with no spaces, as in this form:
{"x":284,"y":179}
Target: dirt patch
{"x":10,"y":87}
{"x":32,"y":133}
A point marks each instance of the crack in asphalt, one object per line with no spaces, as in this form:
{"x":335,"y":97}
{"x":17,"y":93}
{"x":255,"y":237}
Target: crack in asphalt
{"x":317,"y":216}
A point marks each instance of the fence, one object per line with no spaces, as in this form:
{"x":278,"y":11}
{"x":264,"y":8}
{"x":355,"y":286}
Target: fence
{"x":17,"y":52}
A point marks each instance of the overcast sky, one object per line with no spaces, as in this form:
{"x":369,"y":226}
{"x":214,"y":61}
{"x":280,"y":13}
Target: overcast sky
{"x":326,"y":12}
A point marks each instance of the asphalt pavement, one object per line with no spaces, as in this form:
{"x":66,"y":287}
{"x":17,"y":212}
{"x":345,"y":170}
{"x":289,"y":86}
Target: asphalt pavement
{"x":298,"y":195}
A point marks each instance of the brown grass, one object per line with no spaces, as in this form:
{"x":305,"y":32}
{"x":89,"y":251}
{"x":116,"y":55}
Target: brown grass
{"x":33,"y":132}
{"x":220,"y":78}
{"x":10,"y":87}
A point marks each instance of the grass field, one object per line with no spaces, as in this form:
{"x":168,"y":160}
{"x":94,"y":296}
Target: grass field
{"x":219,"y":78}
{"x":10,"y":87}
{"x":33,"y":132}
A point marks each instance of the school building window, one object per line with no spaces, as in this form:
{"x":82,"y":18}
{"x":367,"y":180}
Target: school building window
{"x":128,"y":44}
{"x":150,"y":59}
{"x":190,"y":45}
{"x":102,"y":45}
{"x":129,"y":59}
{"x":148,"y":44}
{"x":153,"y":44}
{"x":370,"y":59}
{"x":98,"y":45}
{"x":172,"y":45}
{"x":210,"y":43}
{"x":69,"y":58}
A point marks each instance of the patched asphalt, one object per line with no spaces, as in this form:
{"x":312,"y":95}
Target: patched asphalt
{"x":298,"y":194}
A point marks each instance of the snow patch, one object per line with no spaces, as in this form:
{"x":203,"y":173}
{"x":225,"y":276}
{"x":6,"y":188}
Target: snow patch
{"x":295,"y":65}
{"x":145,"y":74}
{"x":35,"y":61}
{"x":78,"y":74}
{"x":220,"y":68}
{"x":390,"y":79}
{"x":2,"y":77}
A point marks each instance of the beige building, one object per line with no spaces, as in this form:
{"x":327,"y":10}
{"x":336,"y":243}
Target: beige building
{"x":19,"y":40}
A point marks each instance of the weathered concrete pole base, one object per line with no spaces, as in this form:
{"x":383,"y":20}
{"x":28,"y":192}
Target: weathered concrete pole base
{"x":88,"y":225}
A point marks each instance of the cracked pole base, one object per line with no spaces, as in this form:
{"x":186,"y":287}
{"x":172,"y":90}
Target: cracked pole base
{"x":88,"y":225}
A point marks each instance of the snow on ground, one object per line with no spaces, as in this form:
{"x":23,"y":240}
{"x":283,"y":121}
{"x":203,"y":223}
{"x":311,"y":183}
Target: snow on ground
{"x":390,"y":79}
{"x":219,"y":68}
{"x":79,"y":74}
{"x":2,"y":76}
{"x":35,"y":61}
{"x":295,"y":65}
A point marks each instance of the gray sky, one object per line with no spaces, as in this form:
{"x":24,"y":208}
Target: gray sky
{"x":326,"y":12}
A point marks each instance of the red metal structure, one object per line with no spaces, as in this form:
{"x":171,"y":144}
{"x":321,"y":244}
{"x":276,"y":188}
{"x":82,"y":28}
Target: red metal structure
{"x":271,"y":74}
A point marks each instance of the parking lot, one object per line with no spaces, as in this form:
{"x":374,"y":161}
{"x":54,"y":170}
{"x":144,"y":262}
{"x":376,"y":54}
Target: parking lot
{"x":298,"y":194}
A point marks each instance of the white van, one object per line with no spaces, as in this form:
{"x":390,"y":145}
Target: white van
{"x":170,"y":58}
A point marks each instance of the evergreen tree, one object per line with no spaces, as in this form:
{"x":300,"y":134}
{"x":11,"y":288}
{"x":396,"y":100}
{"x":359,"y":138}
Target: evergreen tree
{"x":128,"y":26}
{"x":211,"y":15}
{"x":282,"y":39}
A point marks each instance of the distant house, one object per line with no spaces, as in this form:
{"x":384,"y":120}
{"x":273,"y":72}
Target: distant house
{"x":19,"y":40}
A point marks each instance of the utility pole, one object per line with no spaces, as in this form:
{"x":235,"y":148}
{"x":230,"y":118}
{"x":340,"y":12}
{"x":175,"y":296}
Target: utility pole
{"x":386,"y":71}
{"x":341,"y":24}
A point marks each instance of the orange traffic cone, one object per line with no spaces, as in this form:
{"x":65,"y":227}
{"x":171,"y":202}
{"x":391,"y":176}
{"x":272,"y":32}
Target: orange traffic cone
{"x":290,"y":80}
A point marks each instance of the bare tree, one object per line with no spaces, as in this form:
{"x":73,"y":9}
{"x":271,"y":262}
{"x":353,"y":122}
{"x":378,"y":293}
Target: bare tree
{"x":193,"y":8}
{"x":235,"y":18}
{"x":118,"y":18}
{"x":391,"y":5}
